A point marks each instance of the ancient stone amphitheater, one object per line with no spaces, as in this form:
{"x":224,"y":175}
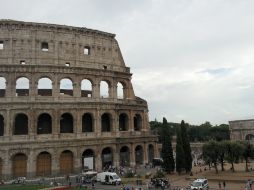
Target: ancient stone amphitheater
{"x":67,"y":102}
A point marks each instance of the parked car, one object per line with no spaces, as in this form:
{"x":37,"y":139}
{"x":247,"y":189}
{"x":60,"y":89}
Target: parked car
{"x":199,"y":184}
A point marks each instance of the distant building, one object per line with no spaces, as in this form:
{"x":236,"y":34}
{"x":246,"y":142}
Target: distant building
{"x":66,"y":100}
{"x":242,"y":129}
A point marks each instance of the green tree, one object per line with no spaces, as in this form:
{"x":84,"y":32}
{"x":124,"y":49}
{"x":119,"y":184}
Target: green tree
{"x":186,"y":147}
{"x":234,"y":151}
{"x":248,"y":152}
{"x":211,"y":151}
{"x":222,"y":153}
{"x":167,"y":151}
{"x":180,"y":159}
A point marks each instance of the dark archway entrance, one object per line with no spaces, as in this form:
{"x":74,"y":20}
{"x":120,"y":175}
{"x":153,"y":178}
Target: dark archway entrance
{"x":1,"y":125}
{"x":123,"y":122}
{"x":105,"y":123}
{"x":21,"y":124}
{"x":137,"y":122}
{"x":139,"y":155}
{"x":44,"y":124}
{"x":87,"y":123}
{"x":66,"y":123}
{"x":107,"y":157}
{"x":125,"y":156}
{"x":88,"y":159}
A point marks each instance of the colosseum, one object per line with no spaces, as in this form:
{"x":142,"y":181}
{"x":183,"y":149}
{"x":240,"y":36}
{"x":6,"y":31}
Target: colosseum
{"x":66,"y":96}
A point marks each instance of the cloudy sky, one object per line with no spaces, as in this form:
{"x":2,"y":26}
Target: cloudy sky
{"x":190,"y":59}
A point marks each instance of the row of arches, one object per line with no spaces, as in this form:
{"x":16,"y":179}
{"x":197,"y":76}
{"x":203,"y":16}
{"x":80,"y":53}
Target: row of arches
{"x":44,"y":160}
{"x":45,"y":87}
{"x":44,"y":123}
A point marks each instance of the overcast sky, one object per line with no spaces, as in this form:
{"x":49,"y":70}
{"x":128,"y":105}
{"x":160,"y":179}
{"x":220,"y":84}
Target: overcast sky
{"x":190,"y":59}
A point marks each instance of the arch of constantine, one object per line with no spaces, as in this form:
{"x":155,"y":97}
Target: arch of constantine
{"x":242,"y":130}
{"x":66,"y":95}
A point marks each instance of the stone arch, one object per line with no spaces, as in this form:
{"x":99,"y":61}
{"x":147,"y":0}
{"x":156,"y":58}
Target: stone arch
{"x":86,"y":88}
{"x":120,"y":90}
{"x":44,"y":124}
{"x":1,"y":125}
{"x":20,"y":124}
{"x":125,"y":156}
{"x":87,"y":123}
{"x":22,"y":86}
{"x":150,"y":153}
{"x":44,"y":86}
{"x":137,"y":122}
{"x":123,"y":122}
{"x":139,"y":155}
{"x":66,"y":87}
{"x":249,"y":137}
{"x":88,"y":159}
{"x":104,"y":89}
{"x":43,"y":164}
{"x":107,"y":157}
{"x":2,"y":86}
{"x":106,"y":122}
{"x":66,"y":162}
{"x":66,"y":123}
{"x":19,"y":165}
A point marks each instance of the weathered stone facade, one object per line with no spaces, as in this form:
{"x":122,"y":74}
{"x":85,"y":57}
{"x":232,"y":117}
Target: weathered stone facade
{"x":53,"y":112}
{"x":242,"y":129}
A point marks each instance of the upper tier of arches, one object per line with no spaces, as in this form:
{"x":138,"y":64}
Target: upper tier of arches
{"x":67,"y":87}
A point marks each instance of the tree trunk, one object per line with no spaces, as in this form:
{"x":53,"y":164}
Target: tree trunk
{"x":222,"y":165}
{"x":232,"y":167}
{"x":216,"y":169}
{"x":246,"y":165}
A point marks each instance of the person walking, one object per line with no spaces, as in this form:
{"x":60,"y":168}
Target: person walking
{"x":224,"y":185}
{"x":219,"y":186}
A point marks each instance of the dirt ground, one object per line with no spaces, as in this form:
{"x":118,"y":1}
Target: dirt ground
{"x":234,"y":180}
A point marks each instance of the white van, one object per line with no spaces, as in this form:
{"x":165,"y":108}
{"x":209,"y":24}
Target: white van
{"x":108,"y":178}
{"x":199,"y":184}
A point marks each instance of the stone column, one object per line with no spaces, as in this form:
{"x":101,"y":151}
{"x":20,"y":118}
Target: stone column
{"x":78,"y":123}
{"x":98,"y":122}
{"x":55,"y":124}
{"x":116,"y":156}
{"x":76,"y":89}
{"x":96,"y":90}
{"x":7,"y":125}
{"x":55,"y":163}
{"x":114,"y":91}
{"x":32,"y":124}
{"x":98,"y":160}
{"x":7,"y":166}
{"x":31,"y":164}
{"x":132,"y":155}
{"x":145,"y":153}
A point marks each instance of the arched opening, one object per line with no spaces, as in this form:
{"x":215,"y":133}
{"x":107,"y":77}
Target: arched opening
{"x":137,"y":122}
{"x":125,"y":156}
{"x":107,"y":157}
{"x":88,"y":159}
{"x":104,"y":89}
{"x":139,"y":155}
{"x":45,"y":87}
{"x":123,"y":122}
{"x":19,"y":165}
{"x":105,"y":123}
{"x":150,"y":153}
{"x":249,"y":137}
{"x":2,"y":87}
{"x":66,"y":123}
{"x":66,"y":162}
{"x":1,"y":125}
{"x":22,"y":86}
{"x":120,"y":90}
{"x":44,"y":124}
{"x":86,"y":88}
{"x":87,"y":123}
{"x":66,"y":87}
{"x":43,"y":165}
{"x":21,"y":124}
